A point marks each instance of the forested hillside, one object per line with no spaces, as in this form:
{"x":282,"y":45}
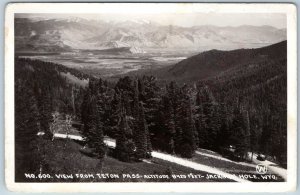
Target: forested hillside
{"x":253,"y":97}
{"x":243,"y":106}
{"x":41,"y":89}
{"x":211,"y":63}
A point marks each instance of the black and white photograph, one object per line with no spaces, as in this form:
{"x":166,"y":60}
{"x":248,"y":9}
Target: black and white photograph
{"x":151,"y":93}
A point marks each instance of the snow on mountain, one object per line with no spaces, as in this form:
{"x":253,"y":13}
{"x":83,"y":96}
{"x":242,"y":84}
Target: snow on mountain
{"x":139,"y":35}
{"x":136,"y":50}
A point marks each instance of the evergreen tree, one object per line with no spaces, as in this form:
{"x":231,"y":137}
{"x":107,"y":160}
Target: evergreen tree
{"x":91,"y":118}
{"x":141,"y":139}
{"x":124,"y":144}
{"x":85,"y":111}
{"x":187,"y":124}
{"x":45,"y":111}
{"x":224,"y":133}
{"x":151,"y":97}
{"x":169,"y":125}
{"x":27,"y":159}
{"x":209,"y":119}
{"x":247,"y":140}
{"x":238,"y":137}
{"x":136,"y":100}
{"x":200,"y":122}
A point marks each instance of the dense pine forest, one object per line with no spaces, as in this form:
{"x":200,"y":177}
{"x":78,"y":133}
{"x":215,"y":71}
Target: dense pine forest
{"x":243,"y":106}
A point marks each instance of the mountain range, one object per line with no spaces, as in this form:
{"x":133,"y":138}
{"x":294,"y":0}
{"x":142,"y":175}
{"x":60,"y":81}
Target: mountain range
{"x":56,"y":35}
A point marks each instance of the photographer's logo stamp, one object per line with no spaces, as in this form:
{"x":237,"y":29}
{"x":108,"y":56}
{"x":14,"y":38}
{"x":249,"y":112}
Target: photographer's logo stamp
{"x":261,"y":169}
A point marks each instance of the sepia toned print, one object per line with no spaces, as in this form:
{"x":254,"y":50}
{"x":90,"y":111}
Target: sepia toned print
{"x":183,"y":96}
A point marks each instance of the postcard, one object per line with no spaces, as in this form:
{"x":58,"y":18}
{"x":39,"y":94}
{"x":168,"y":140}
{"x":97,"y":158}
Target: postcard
{"x":150,"y":97}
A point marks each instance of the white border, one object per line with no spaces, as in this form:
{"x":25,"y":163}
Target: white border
{"x":288,"y":9}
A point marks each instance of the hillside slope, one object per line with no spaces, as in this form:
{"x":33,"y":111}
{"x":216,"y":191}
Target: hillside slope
{"x":215,"y":62}
{"x":60,"y":84}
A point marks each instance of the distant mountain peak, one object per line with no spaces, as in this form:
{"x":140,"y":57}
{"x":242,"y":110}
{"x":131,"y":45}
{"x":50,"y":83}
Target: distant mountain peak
{"x":80,"y":33}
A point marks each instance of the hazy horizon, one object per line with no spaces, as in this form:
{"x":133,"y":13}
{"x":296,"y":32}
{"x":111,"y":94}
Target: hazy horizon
{"x":181,"y":19}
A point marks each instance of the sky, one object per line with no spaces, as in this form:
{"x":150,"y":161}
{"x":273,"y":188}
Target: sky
{"x":183,"y":19}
